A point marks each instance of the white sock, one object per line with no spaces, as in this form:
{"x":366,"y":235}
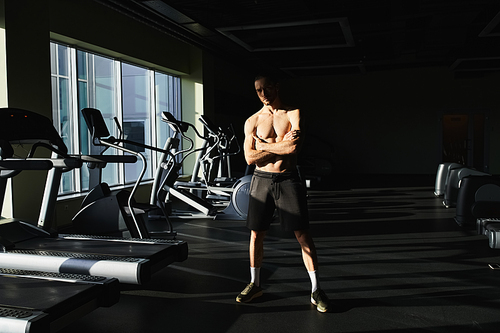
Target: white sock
{"x":314,"y":281}
{"x":255,"y":275}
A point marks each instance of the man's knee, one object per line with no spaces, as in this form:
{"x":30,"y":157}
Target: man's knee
{"x":304,"y":237}
{"x":257,"y":236}
{"x":301,"y":233}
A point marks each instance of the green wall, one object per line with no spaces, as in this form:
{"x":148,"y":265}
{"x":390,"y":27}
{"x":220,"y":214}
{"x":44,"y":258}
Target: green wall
{"x":29,"y":27}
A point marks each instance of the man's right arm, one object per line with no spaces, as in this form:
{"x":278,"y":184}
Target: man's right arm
{"x":253,"y":156}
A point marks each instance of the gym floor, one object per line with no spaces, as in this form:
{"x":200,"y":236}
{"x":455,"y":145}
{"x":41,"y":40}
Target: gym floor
{"x":392,"y":259}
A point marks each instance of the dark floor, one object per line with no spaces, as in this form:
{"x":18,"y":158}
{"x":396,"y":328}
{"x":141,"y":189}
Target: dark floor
{"x":391,"y":258}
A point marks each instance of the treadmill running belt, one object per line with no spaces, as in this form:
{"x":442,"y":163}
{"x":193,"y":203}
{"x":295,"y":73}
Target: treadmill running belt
{"x":32,"y":303}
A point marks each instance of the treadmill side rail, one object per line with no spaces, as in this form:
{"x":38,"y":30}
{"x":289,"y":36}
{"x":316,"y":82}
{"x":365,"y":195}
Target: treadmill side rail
{"x":26,"y":308}
{"x":14,"y":320}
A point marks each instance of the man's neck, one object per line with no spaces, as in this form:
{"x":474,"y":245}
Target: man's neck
{"x":274,"y":106}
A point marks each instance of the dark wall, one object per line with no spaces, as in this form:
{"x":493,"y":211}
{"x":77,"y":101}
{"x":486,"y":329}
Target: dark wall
{"x":377,"y":123}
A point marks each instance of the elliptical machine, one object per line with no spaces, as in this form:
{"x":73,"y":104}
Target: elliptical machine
{"x":115,"y":213}
{"x":165,"y":186}
{"x":216,"y":184}
{"x":226,"y":144}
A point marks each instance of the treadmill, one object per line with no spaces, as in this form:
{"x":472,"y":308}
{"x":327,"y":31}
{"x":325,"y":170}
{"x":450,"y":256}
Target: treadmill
{"x":28,"y":247}
{"x":37,"y":301}
{"x":41,"y":302}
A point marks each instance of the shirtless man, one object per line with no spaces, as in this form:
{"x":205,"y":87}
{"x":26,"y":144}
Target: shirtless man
{"x":272,"y":140}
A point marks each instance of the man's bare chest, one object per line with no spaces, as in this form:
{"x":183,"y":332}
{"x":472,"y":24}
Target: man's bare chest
{"x":273,"y":126}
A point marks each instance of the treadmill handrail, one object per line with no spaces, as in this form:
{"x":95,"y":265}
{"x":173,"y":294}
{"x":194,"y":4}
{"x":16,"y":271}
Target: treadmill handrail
{"x":60,"y":163}
{"x":25,"y":164}
{"x":107,"y":158}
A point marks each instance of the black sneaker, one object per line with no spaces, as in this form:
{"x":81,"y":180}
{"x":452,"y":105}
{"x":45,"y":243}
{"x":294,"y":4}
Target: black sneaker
{"x":320,"y":299}
{"x":249,"y":293}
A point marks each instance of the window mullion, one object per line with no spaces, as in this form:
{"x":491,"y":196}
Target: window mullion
{"x":91,"y":81}
{"x":154,"y":121}
{"x":119,"y":109}
{"x":56,"y":103}
{"x":75,"y":115}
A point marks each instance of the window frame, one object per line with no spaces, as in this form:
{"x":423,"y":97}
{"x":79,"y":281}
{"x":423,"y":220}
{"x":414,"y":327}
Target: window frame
{"x":173,"y":101}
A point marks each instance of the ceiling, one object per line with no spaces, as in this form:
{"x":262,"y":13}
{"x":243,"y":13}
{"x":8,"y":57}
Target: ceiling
{"x":314,"y":37}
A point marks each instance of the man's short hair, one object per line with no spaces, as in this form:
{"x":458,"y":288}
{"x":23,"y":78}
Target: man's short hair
{"x":271,"y":78}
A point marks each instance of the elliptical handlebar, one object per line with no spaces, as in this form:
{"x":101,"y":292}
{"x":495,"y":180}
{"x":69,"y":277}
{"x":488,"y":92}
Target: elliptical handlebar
{"x":231,"y":133}
{"x":214,"y":132}
{"x":209,"y":125}
{"x":224,"y":136}
{"x":181,"y":127}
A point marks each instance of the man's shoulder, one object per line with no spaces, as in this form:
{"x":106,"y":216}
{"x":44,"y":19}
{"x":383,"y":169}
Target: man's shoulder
{"x":252,"y":120}
{"x":291,"y":109}
{"x":292,"y":112}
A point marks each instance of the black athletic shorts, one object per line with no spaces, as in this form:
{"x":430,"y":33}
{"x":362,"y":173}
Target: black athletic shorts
{"x":282,"y":191}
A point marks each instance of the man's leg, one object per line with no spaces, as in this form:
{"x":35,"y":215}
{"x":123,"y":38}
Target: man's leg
{"x":318,"y":297}
{"x":256,"y":252}
{"x":308,"y":249}
{"x":256,"y":249}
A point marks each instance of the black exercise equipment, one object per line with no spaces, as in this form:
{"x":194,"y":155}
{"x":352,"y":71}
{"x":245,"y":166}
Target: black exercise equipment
{"x":453,"y":181}
{"x":490,"y":227}
{"x":215,"y":159}
{"x":25,"y":246}
{"x":37,"y":301}
{"x":477,"y":197}
{"x":115,"y":213}
{"x":165,"y":184}
{"x":217,"y":182}
{"x":442,"y":177}
{"x":41,"y":302}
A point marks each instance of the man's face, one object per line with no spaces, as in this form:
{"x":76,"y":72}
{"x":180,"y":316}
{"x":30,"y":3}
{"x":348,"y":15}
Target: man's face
{"x":266,"y":90}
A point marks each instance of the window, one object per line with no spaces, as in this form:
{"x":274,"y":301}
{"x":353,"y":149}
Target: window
{"x":135,"y":95}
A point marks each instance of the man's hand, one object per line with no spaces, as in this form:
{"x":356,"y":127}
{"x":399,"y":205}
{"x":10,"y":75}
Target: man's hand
{"x":292,"y":135}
